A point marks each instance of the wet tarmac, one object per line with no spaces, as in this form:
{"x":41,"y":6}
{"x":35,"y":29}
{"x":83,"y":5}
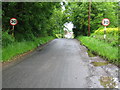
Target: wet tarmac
{"x":62,"y":63}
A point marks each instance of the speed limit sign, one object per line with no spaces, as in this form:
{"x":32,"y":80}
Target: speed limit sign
{"x":105,"y":22}
{"x":13,"y":21}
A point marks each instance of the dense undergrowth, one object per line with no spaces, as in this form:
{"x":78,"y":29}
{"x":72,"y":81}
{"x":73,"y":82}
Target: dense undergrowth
{"x":111,"y":35}
{"x":17,"y":48}
{"x":107,"y":48}
{"x":36,"y":25}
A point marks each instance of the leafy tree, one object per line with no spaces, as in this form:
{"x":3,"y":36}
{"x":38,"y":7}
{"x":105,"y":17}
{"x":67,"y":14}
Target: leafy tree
{"x":34,"y":19}
{"x":78,"y":13}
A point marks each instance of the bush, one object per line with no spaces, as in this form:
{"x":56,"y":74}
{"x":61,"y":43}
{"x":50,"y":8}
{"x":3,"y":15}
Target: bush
{"x":111,"y":38}
{"x":17,"y":48}
{"x":7,"y":39}
{"x":111,"y":31}
{"x":58,"y":35}
{"x":101,"y":48}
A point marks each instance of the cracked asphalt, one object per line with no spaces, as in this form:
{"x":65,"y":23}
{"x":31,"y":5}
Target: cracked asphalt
{"x":62,"y":63}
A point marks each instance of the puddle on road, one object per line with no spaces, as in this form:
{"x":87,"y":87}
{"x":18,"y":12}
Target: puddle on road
{"x":90,"y":54}
{"x":108,"y":82}
{"x":99,"y":63}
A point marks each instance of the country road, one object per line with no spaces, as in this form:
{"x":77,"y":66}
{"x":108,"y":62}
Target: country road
{"x":62,"y":63}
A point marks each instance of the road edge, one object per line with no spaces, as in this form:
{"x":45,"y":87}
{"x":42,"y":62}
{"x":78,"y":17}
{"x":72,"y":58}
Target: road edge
{"x":19,"y":58}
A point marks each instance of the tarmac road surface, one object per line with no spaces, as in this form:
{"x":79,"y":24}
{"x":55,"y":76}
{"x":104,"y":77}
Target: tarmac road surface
{"x":62,"y":63}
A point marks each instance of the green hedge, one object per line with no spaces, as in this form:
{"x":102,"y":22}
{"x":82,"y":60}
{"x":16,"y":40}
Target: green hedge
{"x":101,"y":48}
{"x":17,"y":48}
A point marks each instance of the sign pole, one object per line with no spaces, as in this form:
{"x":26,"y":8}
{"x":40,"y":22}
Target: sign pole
{"x":105,"y":22}
{"x":105,"y":32}
{"x":13,"y":22}
{"x":13,"y":31}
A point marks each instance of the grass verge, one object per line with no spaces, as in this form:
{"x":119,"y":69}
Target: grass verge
{"x":17,"y":48}
{"x":101,"y":48}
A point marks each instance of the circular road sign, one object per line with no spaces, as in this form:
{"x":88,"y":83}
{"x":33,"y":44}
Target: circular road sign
{"x":105,"y":22}
{"x":13,"y":21}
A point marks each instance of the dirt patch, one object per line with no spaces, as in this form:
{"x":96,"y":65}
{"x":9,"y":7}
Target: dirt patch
{"x":107,"y":82}
{"x":99,"y":63}
{"x":90,"y":54}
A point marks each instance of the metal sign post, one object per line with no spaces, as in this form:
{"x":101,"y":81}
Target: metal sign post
{"x":105,"y":22}
{"x":13,"y":31}
{"x":105,"y":32}
{"x":13,"y":22}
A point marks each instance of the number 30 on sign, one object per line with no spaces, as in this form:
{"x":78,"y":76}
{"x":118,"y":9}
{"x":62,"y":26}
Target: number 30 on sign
{"x":13,"y":21}
{"x":105,"y":22}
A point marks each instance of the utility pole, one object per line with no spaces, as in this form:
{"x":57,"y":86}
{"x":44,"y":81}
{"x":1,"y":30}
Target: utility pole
{"x":89,"y":9}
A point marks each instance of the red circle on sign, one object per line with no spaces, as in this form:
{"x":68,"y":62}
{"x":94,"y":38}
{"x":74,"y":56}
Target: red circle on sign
{"x":13,"y":24}
{"x":103,"y":22}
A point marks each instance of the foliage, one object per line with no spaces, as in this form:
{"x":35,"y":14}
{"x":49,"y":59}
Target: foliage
{"x":7,"y":39}
{"x":78,"y":15}
{"x":111,"y":38}
{"x":112,"y":31}
{"x":58,"y":35}
{"x":38,"y":23}
{"x":35,"y":19}
{"x":56,"y":23}
{"x":101,"y":48}
{"x":17,"y":48}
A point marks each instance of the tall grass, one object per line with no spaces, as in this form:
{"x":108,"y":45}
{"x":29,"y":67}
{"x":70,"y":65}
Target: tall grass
{"x":111,"y":38}
{"x":101,"y":48}
{"x":17,"y":48}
